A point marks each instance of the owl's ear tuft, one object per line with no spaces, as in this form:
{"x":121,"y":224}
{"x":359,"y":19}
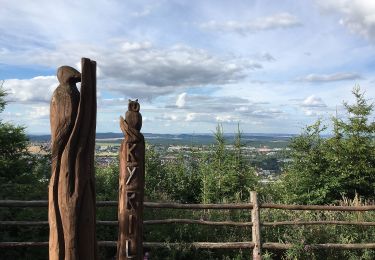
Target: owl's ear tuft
{"x":136,"y":100}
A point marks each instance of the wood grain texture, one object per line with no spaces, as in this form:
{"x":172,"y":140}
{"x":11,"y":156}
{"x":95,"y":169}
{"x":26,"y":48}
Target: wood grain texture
{"x":255,"y":218}
{"x":71,"y":212}
{"x":131,"y":186}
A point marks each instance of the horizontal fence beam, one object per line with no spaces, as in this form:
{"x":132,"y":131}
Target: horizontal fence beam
{"x":202,"y":245}
{"x":305,"y":223}
{"x":320,"y":246}
{"x":45,"y":223}
{"x":44,"y":203}
{"x":202,"y":222}
{"x":165,"y":205}
{"x":206,"y":245}
{"x":146,"y":222}
{"x":316,"y":207}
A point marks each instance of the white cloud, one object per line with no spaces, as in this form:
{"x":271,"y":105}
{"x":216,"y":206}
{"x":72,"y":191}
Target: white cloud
{"x":357,"y":15}
{"x":167,"y":117}
{"x":341,"y":76}
{"x":175,"y":66}
{"x":199,"y":117}
{"x":135,"y":46}
{"x":37,"y":89}
{"x":181,"y":100}
{"x":227,"y":118}
{"x":242,"y":108}
{"x":313,"y":106}
{"x":311,"y":113}
{"x":143,"y":13}
{"x":313,"y":101}
{"x":140,"y":70}
{"x":39,"y":112}
{"x":281,"y":20}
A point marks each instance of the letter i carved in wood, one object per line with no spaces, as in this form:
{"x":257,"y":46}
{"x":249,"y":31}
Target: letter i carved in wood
{"x":131,"y":186}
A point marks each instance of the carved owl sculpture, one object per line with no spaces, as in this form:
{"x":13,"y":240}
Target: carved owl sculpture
{"x":132,"y":116}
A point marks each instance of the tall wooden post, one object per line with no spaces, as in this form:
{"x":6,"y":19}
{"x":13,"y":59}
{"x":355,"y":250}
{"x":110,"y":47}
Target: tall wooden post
{"x":131,"y":186}
{"x":71,"y":210}
{"x":256,"y":226}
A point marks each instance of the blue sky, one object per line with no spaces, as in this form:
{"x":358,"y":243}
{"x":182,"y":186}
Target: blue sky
{"x":273,"y":66}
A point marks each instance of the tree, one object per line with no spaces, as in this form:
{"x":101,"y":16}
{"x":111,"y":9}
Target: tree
{"x":225,"y":173}
{"x":23,"y":176}
{"x":20,"y":172}
{"x":353,"y":145}
{"x":322,"y":170}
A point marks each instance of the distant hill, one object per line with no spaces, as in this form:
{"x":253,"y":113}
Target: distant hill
{"x":253,"y":139}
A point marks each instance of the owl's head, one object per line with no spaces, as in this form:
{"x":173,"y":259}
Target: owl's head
{"x":133,"y":105}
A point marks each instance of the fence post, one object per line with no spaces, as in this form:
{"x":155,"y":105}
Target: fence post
{"x":256,"y":226}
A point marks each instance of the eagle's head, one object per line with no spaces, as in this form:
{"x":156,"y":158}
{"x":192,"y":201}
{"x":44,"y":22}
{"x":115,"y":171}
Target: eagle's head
{"x":67,"y":74}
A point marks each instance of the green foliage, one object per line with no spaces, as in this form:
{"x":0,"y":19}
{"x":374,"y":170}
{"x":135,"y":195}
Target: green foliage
{"x":197,"y":176}
{"x":226,"y":176}
{"x":2,"y":98}
{"x":22,"y":176}
{"x":324,"y":169}
{"x":302,"y":236}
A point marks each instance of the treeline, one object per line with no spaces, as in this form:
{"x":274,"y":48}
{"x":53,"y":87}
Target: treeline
{"x":333,"y":170}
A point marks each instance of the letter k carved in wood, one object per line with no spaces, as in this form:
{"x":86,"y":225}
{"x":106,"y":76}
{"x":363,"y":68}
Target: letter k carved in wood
{"x":130,"y":156}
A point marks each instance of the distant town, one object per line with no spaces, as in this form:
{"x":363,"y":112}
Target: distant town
{"x":268,"y":153}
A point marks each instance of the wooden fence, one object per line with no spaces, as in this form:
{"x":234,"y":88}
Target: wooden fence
{"x":256,"y":244}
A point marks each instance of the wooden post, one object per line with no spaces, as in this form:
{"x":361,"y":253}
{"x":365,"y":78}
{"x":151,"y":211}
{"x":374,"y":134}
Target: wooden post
{"x":71,"y":206}
{"x":256,"y":226}
{"x":131,"y":186}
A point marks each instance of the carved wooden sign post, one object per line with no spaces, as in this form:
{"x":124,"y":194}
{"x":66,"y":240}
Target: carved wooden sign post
{"x":131,"y":186}
{"x":71,"y":210}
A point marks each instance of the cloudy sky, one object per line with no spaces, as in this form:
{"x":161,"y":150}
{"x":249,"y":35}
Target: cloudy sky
{"x":273,"y":66}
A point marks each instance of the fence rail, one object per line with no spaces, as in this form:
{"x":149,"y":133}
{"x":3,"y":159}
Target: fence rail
{"x":166,"y":205}
{"x":256,"y":244}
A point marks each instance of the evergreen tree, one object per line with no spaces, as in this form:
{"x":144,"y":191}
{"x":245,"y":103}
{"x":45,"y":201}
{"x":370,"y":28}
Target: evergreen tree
{"x":325,"y":169}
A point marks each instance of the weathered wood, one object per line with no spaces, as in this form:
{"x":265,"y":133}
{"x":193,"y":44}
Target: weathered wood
{"x":325,"y":222}
{"x":207,"y":245}
{"x":255,"y":218}
{"x":316,"y":207}
{"x":170,"y":205}
{"x":71,"y":212}
{"x":166,"y":205}
{"x":342,"y":246}
{"x":42,"y":223}
{"x":320,"y":246}
{"x":200,"y":222}
{"x":202,"y":245}
{"x":131,"y":186}
{"x":23,"y":244}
